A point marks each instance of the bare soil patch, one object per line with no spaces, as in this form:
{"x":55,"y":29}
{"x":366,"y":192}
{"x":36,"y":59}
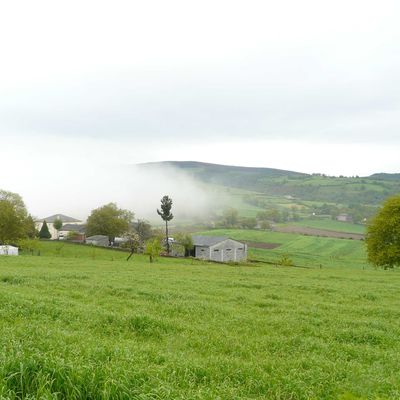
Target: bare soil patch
{"x":262,"y":245}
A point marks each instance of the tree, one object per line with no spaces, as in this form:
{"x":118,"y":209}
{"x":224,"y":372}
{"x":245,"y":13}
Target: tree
{"x":109,"y":220}
{"x":44,"y":232}
{"x":166,"y":215}
{"x":153,"y":249}
{"x":15,"y":222}
{"x":230,"y":217}
{"x":383,"y":235}
{"x":57,"y":226}
{"x":143,"y":229}
{"x":133,"y":243}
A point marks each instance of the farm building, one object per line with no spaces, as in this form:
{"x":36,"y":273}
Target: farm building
{"x":219,"y":248}
{"x":8,"y":250}
{"x":344,"y":218}
{"x":50,"y":221}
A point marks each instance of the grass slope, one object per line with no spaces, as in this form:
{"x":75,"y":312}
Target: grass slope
{"x":76,"y":328}
{"x":308,"y":251}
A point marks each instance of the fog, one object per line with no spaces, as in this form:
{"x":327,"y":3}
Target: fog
{"x":73,"y":177}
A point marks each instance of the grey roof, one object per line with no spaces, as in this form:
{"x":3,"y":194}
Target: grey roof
{"x":73,"y":228}
{"x":207,"y":240}
{"x":64,"y":218}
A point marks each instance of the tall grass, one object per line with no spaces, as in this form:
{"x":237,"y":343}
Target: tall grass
{"x":76,"y":328}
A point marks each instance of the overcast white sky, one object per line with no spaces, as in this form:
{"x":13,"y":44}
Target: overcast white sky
{"x":311,"y":86}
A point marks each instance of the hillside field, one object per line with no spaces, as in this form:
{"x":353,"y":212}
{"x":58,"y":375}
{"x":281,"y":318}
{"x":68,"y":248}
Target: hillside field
{"x":305,"y":251}
{"x":83,"y":324}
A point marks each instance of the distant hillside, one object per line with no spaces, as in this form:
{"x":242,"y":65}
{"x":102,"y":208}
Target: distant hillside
{"x":228,"y":175}
{"x":275,"y":182}
{"x":385,"y":177}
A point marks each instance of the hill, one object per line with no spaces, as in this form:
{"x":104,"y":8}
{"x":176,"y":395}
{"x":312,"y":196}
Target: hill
{"x":275,"y":182}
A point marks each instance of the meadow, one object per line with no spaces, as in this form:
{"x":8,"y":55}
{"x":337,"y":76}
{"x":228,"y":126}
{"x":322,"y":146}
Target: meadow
{"x":304,"y":251}
{"x":82,"y":324}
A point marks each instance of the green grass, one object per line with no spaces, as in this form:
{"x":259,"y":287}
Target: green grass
{"x":76,"y":328}
{"x":308,"y":251}
{"x":331,"y":225}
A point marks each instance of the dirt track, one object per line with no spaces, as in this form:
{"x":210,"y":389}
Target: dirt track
{"x":319,"y":232}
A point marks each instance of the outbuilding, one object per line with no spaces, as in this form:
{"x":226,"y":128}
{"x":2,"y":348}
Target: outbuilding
{"x":219,"y":248}
{"x":6,"y":250}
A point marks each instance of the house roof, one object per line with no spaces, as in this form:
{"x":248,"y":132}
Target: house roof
{"x":208,"y":240}
{"x":64,"y":218}
{"x":73,"y":228}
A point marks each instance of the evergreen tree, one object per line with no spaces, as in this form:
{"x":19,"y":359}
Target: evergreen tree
{"x":166,"y":215}
{"x":44,"y":232}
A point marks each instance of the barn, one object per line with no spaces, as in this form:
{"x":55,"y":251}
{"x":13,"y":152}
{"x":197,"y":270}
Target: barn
{"x":219,"y":248}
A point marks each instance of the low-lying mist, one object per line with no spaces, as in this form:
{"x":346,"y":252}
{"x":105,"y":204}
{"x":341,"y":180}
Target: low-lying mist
{"x":76,"y":192}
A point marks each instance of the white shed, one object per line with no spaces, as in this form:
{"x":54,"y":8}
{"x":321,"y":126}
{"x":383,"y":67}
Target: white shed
{"x":8,"y":250}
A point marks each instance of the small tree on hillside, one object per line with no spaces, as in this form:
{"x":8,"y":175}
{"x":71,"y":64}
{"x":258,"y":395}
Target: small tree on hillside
{"x":166,"y":215}
{"x":44,"y":232}
{"x":153,"y":249}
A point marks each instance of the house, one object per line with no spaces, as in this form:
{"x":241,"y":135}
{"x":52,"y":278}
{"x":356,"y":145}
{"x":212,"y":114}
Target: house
{"x":344,"y":218}
{"x":50,"y":221}
{"x":6,"y":250}
{"x":76,"y":230}
{"x":219,"y":248}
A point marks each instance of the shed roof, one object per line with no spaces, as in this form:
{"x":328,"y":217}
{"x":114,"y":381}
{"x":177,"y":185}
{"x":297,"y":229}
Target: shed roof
{"x":207,"y":240}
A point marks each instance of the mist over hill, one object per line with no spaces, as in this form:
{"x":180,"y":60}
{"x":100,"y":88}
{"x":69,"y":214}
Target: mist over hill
{"x":370,"y":190}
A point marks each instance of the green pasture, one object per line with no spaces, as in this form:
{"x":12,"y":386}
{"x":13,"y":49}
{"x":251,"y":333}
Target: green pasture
{"x":77,"y":327}
{"x":331,"y":225}
{"x":305,"y":251}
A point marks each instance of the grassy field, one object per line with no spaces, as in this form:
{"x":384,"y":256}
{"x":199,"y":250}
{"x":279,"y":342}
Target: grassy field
{"x":332,"y":225}
{"x":306,"y":251}
{"x":79,"y":325}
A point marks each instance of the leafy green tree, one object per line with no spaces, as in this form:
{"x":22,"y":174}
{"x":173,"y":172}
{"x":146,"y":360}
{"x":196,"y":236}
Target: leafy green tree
{"x":383,"y":235}
{"x":153,"y":249}
{"x":44,"y":232}
{"x":166,"y":215}
{"x":109,"y":220}
{"x":58,"y":224}
{"x":15,"y":223}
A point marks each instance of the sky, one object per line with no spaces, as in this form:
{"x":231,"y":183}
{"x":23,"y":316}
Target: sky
{"x":88,"y":88}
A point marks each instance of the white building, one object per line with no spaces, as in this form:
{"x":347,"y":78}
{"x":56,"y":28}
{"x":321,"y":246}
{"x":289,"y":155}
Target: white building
{"x":6,"y":250}
{"x":50,"y":223}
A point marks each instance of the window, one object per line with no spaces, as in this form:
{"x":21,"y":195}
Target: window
{"x":216,"y":250}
